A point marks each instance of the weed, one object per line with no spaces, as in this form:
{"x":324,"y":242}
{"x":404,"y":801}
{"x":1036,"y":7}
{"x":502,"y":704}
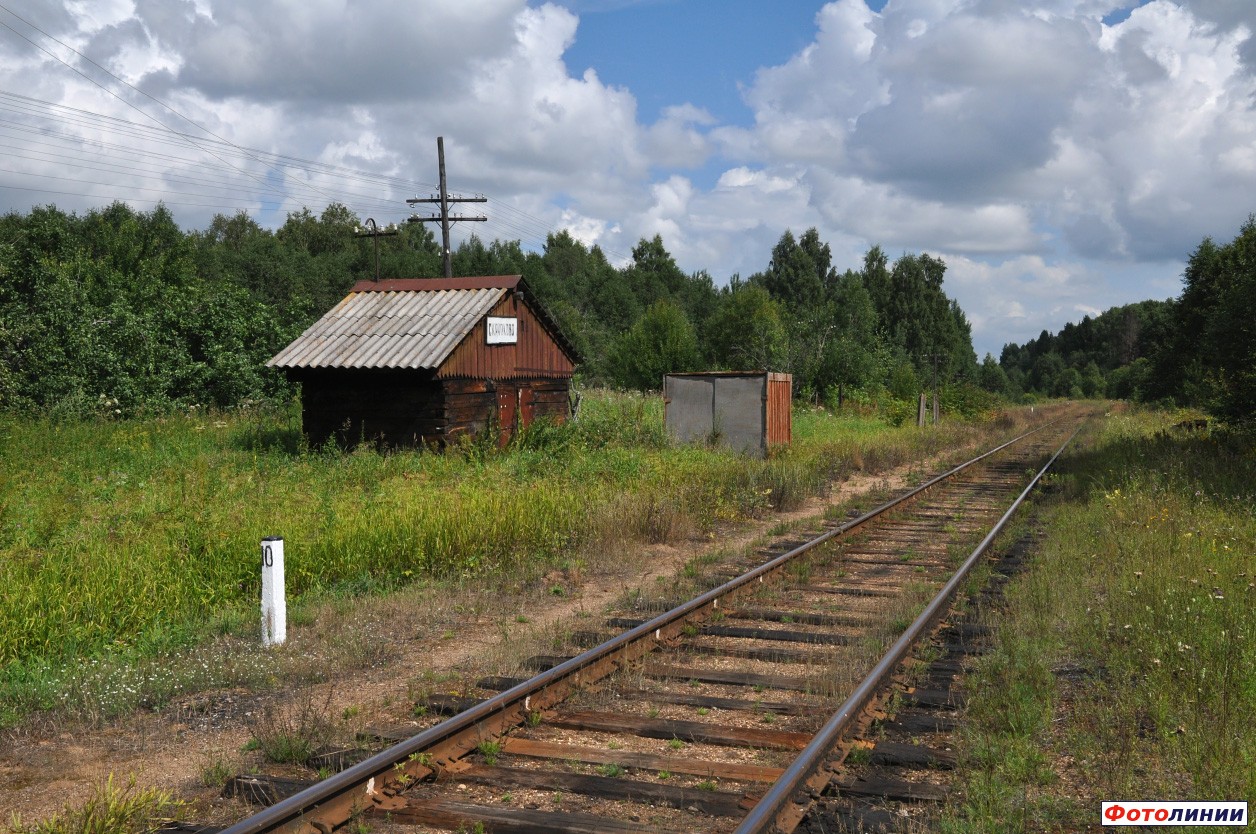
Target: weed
{"x":675,"y":744}
{"x":859,"y":755}
{"x":706,"y":785}
{"x":611,"y":771}
{"x":665,"y":774}
{"x":704,"y":711}
{"x":490,"y":750}
{"x":111,"y":809}
{"x":216,"y":772}
{"x":292,"y":733}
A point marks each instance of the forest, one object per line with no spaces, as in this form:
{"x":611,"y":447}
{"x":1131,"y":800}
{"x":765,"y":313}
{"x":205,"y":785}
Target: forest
{"x":120,"y":312}
{"x":1198,"y":349}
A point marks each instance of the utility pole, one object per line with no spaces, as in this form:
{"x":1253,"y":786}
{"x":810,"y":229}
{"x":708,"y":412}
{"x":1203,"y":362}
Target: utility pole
{"x":376,"y":232}
{"x":443,"y":200}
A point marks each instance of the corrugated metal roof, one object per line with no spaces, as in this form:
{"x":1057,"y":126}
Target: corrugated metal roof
{"x":377,"y":327}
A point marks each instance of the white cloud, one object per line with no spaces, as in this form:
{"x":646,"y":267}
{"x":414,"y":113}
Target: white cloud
{"x":1056,"y":163}
{"x":674,"y":141}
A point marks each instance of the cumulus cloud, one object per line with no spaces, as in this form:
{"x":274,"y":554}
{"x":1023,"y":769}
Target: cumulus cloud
{"x":1019,"y":109}
{"x":1036,"y":148}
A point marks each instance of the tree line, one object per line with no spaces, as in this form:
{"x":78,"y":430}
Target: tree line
{"x":121,"y":311}
{"x":1198,"y":349}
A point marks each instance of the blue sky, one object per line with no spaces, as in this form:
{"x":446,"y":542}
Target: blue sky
{"x":670,"y":51}
{"x":1061,"y":156}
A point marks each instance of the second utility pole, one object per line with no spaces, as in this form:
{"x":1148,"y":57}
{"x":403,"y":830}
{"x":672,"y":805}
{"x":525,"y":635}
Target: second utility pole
{"x":444,"y":200}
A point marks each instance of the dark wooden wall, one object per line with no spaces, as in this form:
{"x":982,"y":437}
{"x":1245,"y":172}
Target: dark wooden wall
{"x":409,"y":408}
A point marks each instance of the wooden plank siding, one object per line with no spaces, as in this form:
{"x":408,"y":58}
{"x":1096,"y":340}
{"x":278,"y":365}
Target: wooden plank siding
{"x":410,"y":408}
{"x":537,"y":353}
{"x":413,"y":366}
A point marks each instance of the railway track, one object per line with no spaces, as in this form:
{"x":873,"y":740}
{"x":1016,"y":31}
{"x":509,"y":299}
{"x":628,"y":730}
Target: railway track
{"x":716,"y":714}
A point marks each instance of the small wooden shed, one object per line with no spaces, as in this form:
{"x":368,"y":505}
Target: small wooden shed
{"x":424,"y":360}
{"x":746,"y":410}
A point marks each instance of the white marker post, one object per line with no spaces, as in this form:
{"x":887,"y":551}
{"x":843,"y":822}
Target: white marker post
{"x":274,"y":606}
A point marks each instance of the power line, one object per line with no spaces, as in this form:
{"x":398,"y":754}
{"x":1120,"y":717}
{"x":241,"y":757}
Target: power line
{"x":116,"y":78}
{"x":527,"y":225}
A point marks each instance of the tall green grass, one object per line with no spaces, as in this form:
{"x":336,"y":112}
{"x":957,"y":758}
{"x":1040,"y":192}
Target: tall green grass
{"x":1136,"y":678}
{"x":141,"y":537}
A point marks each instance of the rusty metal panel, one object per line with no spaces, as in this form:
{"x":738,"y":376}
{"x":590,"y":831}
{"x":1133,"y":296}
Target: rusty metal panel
{"x":780,"y":414}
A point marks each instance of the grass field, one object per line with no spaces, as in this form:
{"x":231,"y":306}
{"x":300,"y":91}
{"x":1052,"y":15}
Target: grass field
{"x":1126,"y":665}
{"x":126,"y":540}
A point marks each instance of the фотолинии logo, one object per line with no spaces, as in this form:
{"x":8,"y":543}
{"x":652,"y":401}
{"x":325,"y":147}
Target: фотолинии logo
{"x":1173,"y":813}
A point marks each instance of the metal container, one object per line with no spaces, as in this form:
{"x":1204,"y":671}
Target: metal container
{"x":748,"y":411}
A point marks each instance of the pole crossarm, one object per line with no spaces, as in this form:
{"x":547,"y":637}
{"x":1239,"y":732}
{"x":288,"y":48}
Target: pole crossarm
{"x":372,"y":230}
{"x":444,"y":199}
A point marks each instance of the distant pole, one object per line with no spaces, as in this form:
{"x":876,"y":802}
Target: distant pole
{"x":444,"y":218}
{"x":374,"y":231}
{"x":935,"y":358}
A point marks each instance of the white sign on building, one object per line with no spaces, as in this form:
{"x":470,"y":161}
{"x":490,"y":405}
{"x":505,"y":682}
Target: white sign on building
{"x":502,"y":331}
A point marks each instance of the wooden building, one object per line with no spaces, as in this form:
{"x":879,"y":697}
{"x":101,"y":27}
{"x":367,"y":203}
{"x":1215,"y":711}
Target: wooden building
{"x":424,"y":360}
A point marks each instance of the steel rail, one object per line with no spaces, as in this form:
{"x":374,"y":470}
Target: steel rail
{"x":765,"y":812}
{"x":362,"y":777}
